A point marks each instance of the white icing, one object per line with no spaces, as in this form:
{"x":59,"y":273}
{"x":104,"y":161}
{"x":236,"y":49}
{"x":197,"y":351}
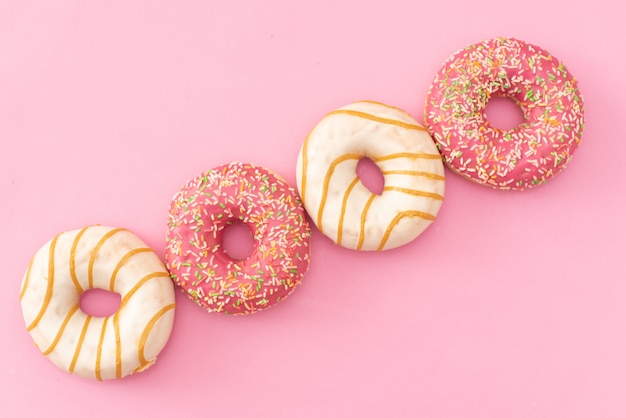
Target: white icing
{"x":147,"y":308}
{"x":358,"y":129}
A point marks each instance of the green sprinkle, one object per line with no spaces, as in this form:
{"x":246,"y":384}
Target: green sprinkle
{"x":530,"y":95}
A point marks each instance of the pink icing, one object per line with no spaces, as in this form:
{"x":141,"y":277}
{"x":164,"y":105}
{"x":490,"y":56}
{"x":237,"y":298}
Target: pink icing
{"x":525,"y":156}
{"x":201,"y":211}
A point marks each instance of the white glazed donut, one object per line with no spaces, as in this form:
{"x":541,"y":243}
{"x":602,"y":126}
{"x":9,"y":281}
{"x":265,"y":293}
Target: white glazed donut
{"x":341,"y":206}
{"x":112,"y":259}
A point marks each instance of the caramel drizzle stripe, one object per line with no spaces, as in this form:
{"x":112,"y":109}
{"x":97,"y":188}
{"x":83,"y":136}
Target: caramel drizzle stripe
{"x":363,"y":219}
{"x":73,"y":259}
{"x":344,"y":203}
{"x":327,"y":177}
{"x":99,"y":350}
{"x":123,"y":261}
{"x":432,"y":176}
{"x":81,"y":339}
{"x":26,"y":278}
{"x":148,"y":329}
{"x":49,"y":289}
{"x":116,"y":318}
{"x":398,"y":218}
{"x":305,"y":164}
{"x":377,"y":119}
{"x":95,"y":250}
{"x":413,"y":192}
{"x":57,"y":338}
{"x":383,"y":105}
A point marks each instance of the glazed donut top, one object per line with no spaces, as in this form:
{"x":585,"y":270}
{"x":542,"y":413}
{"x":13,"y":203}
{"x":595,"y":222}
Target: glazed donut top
{"x":547,"y":93}
{"x":200,"y":212}
{"x":341,"y":206}
{"x":102,"y":257}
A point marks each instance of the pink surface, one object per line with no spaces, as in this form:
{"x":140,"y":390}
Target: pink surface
{"x":509,"y":305}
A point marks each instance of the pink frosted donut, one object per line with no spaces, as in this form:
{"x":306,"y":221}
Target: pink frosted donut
{"x":525,"y":156}
{"x":198,"y":216}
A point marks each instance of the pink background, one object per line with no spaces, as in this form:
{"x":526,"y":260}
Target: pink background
{"x":510,"y":305}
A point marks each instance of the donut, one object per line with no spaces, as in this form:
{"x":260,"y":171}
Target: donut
{"x":341,"y":207}
{"x":198,"y":215}
{"x":525,"y":156}
{"x":98,"y":257}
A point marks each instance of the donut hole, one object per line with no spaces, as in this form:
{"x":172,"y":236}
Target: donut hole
{"x":504,"y":113}
{"x":100,"y":302}
{"x":237,"y":241}
{"x":370,"y":175}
